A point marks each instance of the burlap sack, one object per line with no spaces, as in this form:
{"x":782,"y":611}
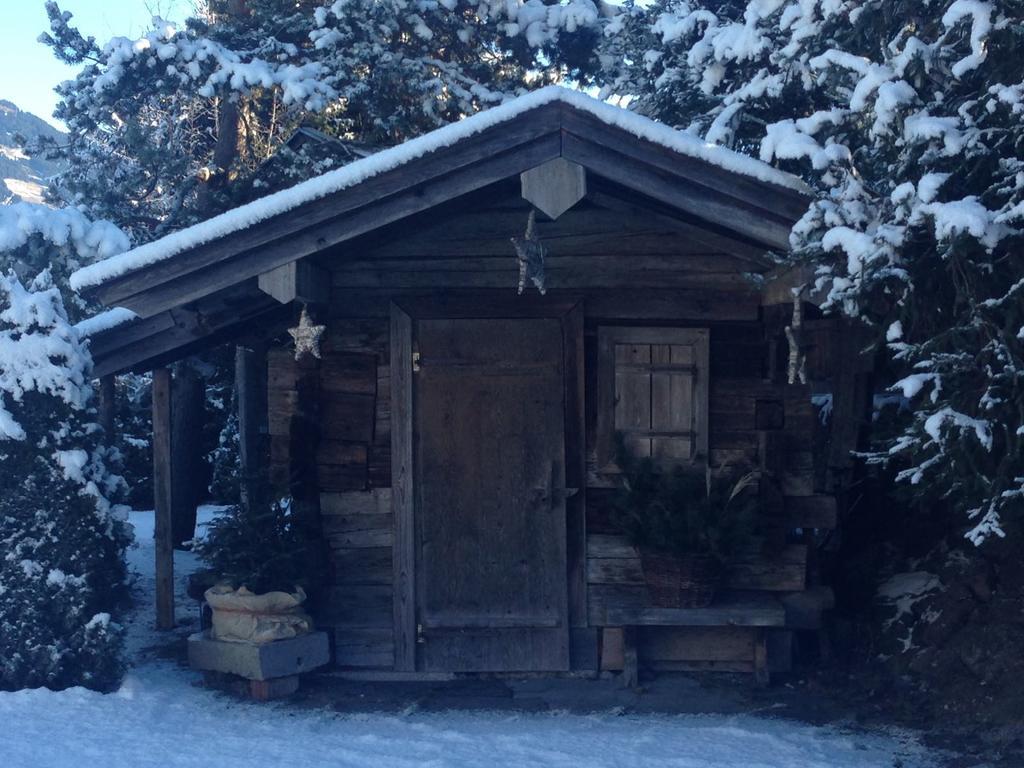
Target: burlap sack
{"x":240,"y":616}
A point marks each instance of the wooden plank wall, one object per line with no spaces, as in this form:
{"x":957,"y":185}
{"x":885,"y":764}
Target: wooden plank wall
{"x":353,"y":471}
{"x":471,"y":253}
{"x":359,"y":527}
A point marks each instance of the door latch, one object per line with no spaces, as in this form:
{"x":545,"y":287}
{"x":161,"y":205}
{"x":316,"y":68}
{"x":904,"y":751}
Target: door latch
{"x":554,"y":491}
{"x":420,"y":639}
{"x":415,"y":362}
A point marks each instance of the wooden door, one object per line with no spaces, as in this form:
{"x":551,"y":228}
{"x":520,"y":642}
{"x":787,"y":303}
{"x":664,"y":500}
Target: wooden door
{"x":490,"y":516}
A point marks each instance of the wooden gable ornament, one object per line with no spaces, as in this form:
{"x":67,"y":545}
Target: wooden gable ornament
{"x":555,"y":186}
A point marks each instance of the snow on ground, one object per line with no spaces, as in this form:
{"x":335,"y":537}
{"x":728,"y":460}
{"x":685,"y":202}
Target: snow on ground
{"x":160,"y":717}
{"x":143,"y":642}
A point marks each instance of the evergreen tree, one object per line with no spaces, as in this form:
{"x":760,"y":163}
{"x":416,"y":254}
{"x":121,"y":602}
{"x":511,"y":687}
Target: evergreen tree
{"x":143,"y":114}
{"x":264,"y":546}
{"x":403,"y":68}
{"x":171,"y":127}
{"x":133,"y":423}
{"x":905,"y":119}
{"x":62,"y":541}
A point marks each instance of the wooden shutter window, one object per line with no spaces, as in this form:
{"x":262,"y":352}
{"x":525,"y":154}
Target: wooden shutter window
{"x":654,"y":390}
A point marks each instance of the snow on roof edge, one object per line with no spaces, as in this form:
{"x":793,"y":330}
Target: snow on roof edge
{"x":349,"y":175}
{"x":104,"y":321}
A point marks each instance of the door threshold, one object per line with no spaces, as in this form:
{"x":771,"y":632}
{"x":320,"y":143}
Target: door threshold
{"x":391,"y":676}
{"x":388,"y":676}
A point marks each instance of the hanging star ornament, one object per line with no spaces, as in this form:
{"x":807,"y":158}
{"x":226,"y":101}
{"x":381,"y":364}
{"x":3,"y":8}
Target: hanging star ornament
{"x":307,"y":336}
{"x":530,"y":252}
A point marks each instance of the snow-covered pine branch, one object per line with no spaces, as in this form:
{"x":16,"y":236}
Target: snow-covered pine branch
{"x":36,"y":238}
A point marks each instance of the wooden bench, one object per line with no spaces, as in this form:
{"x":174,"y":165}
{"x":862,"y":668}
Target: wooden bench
{"x":759,"y":611}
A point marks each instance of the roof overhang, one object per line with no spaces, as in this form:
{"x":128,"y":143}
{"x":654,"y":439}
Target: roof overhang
{"x":742,"y":202}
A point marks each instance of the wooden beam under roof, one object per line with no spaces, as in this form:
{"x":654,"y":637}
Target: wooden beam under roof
{"x":300,"y":280}
{"x":146,"y":343}
{"x":723,"y":211}
{"x":618,"y":198}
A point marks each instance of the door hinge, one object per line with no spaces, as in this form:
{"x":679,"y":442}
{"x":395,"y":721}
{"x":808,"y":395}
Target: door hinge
{"x":415,"y":362}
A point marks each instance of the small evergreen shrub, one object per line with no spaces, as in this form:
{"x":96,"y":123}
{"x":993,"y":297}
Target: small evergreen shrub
{"x":674,"y":510}
{"x":265,"y":549}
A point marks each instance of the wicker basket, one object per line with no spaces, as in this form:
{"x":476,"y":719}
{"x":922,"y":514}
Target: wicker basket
{"x":680,"y":581}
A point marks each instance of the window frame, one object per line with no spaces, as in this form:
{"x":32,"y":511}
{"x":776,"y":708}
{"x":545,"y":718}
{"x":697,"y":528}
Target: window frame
{"x":608,"y":336}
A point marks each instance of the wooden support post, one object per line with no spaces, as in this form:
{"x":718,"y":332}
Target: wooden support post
{"x":108,"y":406}
{"x":162,"y":498}
{"x":631,"y":662}
{"x":250,"y":388}
{"x":761,"y":674}
{"x":188,"y":393}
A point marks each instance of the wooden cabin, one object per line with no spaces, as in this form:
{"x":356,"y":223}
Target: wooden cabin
{"x":453,"y":439}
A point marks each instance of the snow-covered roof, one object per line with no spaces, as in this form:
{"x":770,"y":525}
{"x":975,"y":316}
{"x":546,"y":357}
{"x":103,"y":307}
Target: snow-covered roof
{"x":334,"y":181}
{"x":104,"y":321}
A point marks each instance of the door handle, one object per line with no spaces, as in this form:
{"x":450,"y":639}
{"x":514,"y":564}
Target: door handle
{"x":555,"y":489}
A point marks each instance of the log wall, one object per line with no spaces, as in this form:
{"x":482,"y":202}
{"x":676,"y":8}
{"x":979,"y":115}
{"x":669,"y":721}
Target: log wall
{"x":751,"y":421}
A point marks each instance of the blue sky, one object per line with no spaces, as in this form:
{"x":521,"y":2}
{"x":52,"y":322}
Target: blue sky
{"x":29,"y":70}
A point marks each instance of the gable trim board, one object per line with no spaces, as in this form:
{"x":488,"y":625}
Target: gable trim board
{"x":713,"y":185}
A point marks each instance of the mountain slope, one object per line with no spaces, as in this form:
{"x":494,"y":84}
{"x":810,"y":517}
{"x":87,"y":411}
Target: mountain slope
{"x":21,"y":177}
